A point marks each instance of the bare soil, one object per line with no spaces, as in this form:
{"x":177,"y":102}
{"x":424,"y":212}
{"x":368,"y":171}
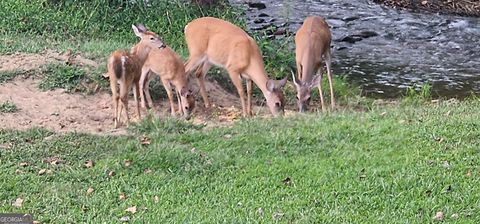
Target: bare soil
{"x":60,"y":111}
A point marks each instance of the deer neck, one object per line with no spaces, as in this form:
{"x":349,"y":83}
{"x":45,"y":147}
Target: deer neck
{"x":140,"y":53}
{"x":308,"y":66}
{"x":256,"y":72}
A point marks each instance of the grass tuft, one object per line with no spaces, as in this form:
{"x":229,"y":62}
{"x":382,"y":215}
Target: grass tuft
{"x":8,"y":107}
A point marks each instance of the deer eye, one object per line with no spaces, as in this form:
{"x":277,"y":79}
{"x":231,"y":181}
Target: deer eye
{"x":278,"y":104}
{"x":152,"y":38}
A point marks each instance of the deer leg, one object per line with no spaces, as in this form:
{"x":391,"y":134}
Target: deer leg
{"x":115,"y":98}
{"x":179,"y":102}
{"x":144,"y":84}
{"x":249,"y":97}
{"x":201,"y":82}
{"x":124,"y":101}
{"x":328,"y":62}
{"x":193,"y":63}
{"x":147,"y":91}
{"x":136,"y":92}
{"x":320,"y":91}
{"x":237,"y":82}
{"x":168,"y":88}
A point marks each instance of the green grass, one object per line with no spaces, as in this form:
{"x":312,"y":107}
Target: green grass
{"x":382,"y":166}
{"x":8,"y":107}
{"x":72,"y":78}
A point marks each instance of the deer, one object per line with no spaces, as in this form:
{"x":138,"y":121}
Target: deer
{"x":170,"y":68}
{"x":312,"y":42}
{"x":212,"y":41}
{"x":125,"y":67}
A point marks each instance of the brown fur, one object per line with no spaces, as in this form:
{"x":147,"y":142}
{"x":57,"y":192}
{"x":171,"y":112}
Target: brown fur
{"x":169,"y":67}
{"x":215,"y":41}
{"x":124,"y":68}
{"x":312,"y":42}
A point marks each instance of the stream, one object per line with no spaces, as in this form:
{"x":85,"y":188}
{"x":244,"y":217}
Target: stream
{"x":385,"y":50}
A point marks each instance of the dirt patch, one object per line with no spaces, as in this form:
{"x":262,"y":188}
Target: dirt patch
{"x":64,"y":112}
{"x":60,"y":111}
{"x":30,"y":61}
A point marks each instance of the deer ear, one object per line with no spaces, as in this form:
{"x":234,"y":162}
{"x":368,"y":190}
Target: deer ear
{"x":184,"y":92}
{"x":139,"y":30}
{"x":272,"y":85}
{"x":282,"y":83}
{"x":316,"y":81}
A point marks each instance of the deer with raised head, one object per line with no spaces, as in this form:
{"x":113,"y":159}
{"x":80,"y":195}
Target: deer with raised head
{"x":213,"y":41}
{"x":125,"y":69}
{"x":312,"y":48}
{"x":169,"y":67}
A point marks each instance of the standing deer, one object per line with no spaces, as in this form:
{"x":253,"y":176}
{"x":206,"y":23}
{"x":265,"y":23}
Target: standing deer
{"x":312,"y":47}
{"x":169,"y":67}
{"x":218,"y":42}
{"x":124,"y":68}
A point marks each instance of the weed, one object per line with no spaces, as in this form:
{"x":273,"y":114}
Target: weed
{"x":415,"y":96}
{"x":8,"y":107}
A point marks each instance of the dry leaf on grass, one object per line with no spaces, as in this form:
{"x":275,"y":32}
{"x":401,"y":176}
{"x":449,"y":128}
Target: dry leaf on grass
{"x":469,"y":173}
{"x":90,"y":190}
{"x":287,"y":181}
{"x":156,"y":199}
{"x":125,"y":219}
{"x":446,"y":164}
{"x":277,"y":216}
{"x":145,"y":140}
{"x":147,"y":171}
{"x":260,"y":211}
{"x":52,"y":160}
{"x":23,"y":164}
{"x":122,"y":196}
{"x":111,"y":173}
{"x":128,"y":162}
{"x":18,"y":202}
{"x":88,"y":163}
{"x":132,"y":209}
{"x":438,"y":216}
{"x":42,"y":171}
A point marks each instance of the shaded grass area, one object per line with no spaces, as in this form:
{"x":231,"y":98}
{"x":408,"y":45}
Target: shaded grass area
{"x":389,"y":165}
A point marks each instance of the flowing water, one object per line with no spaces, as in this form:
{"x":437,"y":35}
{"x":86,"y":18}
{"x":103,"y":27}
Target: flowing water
{"x":387,"y":50}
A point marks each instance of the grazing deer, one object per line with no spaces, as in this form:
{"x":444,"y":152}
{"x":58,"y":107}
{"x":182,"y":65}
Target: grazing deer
{"x":124,"y":68}
{"x":169,"y":67}
{"x":218,"y":42}
{"x":312,"y":47}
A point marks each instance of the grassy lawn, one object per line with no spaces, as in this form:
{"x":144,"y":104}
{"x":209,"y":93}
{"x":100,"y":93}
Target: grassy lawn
{"x":388,"y":165}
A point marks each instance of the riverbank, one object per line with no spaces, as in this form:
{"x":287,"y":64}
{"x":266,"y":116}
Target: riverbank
{"x":457,"y":7}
